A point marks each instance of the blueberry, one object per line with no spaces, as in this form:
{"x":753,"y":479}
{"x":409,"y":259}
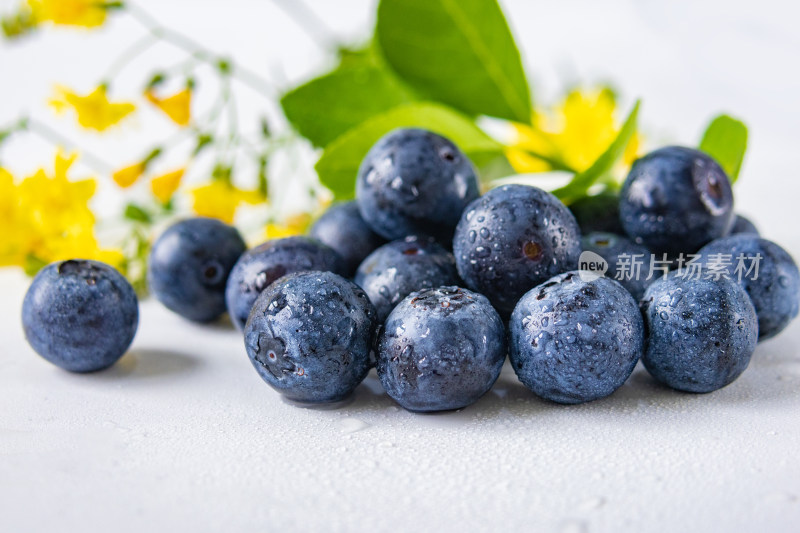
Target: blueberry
{"x":343,"y":229}
{"x":259,"y":267}
{"x":513,"y":238}
{"x":774,"y":288}
{"x":80,"y":315}
{"x":574,"y":340}
{"x":702,"y":332}
{"x":189,"y":266}
{"x":440,"y":349}
{"x":622,"y":255}
{"x":309,"y":336}
{"x":401,"y":267}
{"x":415,"y":182}
{"x":598,"y":213}
{"x":742,"y":224}
{"x":675,"y":200}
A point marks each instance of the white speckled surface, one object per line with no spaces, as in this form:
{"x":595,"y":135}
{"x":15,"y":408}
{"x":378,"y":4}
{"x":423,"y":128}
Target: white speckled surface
{"x":182,"y":435}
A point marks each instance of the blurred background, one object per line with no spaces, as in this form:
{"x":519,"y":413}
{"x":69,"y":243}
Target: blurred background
{"x":686,"y":60}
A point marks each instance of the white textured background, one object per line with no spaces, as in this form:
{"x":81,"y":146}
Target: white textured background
{"x":182,"y":435}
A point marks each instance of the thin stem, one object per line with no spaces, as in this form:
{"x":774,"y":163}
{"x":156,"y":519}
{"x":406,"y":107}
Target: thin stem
{"x":198,"y":51}
{"x":46,"y":132}
{"x":308,"y":21}
{"x":134,"y":51}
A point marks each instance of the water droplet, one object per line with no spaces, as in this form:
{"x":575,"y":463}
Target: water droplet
{"x":351,"y":425}
{"x":472,"y":236}
{"x":485,"y":234}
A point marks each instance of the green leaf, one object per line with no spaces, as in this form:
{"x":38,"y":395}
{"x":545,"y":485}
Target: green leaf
{"x":338,"y":166}
{"x":582,"y":181}
{"x":725,"y":140}
{"x":326,"y":107}
{"x":137,"y":214}
{"x":460,"y":52}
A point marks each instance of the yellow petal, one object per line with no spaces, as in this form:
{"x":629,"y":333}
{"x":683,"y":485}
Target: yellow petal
{"x":219,"y":199}
{"x":94,"y":111}
{"x":164,"y":186}
{"x":85,"y":13}
{"x":177,"y":107}
{"x":125,"y":177}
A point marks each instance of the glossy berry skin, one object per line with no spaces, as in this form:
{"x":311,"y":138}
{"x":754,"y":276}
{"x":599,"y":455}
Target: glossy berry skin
{"x":701,"y":332}
{"x":259,"y":267}
{"x":80,"y":315}
{"x":574,"y":341}
{"x":440,"y":349}
{"x":598,"y":213}
{"x":675,"y":200}
{"x":619,"y":254}
{"x":401,"y":267}
{"x":775,"y":292}
{"x":514,"y":238}
{"x":742,"y":224}
{"x":415,"y":182}
{"x":189,"y":265}
{"x":343,"y":229}
{"x":309,"y":336}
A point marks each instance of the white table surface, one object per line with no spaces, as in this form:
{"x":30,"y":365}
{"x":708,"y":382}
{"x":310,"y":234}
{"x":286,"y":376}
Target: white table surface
{"x":182,"y":435}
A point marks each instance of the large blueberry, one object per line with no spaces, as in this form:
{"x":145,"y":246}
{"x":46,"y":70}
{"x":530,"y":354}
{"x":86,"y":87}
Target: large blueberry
{"x":189,"y":266}
{"x":742,"y":224}
{"x":440,"y":349}
{"x":514,"y":238}
{"x":401,"y":267}
{"x":575,"y":340}
{"x":675,"y":200}
{"x":598,"y":213}
{"x":414,"y":182}
{"x":628,"y":262}
{"x":257,"y":268}
{"x":765,"y":270}
{"x":80,"y":315}
{"x":343,"y":229}
{"x":701,"y":332}
{"x":309,"y":336}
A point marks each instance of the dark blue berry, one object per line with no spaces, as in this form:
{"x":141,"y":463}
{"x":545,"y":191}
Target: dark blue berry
{"x":628,"y":263}
{"x":774,"y":288}
{"x":259,"y":267}
{"x":189,"y":266}
{"x":675,"y":200}
{"x":414,"y":182}
{"x":401,"y":267}
{"x":514,"y":238}
{"x":440,"y":349}
{"x":309,"y":336}
{"x":742,"y":224}
{"x":80,"y":315}
{"x":343,"y":229}
{"x":575,"y":340}
{"x":701,"y":332}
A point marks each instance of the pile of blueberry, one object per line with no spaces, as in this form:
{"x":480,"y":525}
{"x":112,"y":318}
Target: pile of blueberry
{"x":433,"y":285}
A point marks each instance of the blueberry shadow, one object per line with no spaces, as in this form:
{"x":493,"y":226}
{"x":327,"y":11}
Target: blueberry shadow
{"x":146,"y":363}
{"x":509,"y":397}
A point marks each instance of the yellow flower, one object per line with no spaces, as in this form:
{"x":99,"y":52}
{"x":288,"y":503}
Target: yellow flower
{"x":178,"y":107}
{"x":220,"y":199}
{"x":575,"y":132}
{"x":14,"y":235}
{"x":94,"y":110}
{"x":127,"y":176}
{"x":294,"y":225}
{"x":86,"y":13}
{"x":51,"y":218}
{"x":164,"y":186}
